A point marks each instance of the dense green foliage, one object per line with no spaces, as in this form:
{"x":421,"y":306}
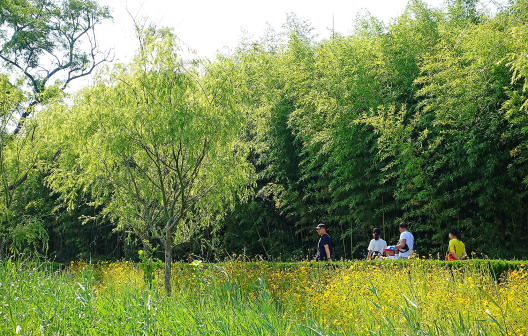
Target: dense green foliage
{"x":419,"y":120}
{"x":422,"y":119}
{"x":44,"y":45}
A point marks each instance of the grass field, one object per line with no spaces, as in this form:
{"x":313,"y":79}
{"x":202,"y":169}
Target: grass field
{"x":237,"y":298}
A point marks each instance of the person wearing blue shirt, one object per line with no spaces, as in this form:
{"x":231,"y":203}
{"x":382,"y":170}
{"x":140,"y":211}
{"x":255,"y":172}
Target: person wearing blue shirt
{"x":324,"y":248}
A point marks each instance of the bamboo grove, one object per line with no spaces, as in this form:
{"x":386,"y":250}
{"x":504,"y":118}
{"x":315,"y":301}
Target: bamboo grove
{"x":421,"y":120}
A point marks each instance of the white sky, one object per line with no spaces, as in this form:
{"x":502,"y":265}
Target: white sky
{"x":210,"y":25}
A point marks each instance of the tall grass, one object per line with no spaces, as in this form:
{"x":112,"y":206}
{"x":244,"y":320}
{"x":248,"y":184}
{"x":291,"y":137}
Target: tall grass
{"x":39,"y":302}
{"x":242,"y":299}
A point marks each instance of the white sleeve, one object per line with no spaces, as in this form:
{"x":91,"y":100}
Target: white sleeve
{"x":370,"y":247}
{"x":405,"y":236}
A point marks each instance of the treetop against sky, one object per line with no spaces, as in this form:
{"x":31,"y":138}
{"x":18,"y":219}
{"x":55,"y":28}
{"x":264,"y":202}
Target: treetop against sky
{"x":208,"y":26}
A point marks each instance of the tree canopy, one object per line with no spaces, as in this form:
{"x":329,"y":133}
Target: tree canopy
{"x":42,"y":49}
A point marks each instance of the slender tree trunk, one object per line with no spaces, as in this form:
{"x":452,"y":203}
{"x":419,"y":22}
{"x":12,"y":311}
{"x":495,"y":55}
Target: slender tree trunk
{"x":168,"y":262}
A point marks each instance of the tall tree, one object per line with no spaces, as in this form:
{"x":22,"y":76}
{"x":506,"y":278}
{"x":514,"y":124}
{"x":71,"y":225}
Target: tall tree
{"x":157,"y":145}
{"x":42,"y":48}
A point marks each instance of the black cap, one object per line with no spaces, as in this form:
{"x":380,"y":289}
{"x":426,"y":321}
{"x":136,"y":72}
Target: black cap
{"x":320,"y":226}
{"x":376,"y":230}
{"x":404,"y":225}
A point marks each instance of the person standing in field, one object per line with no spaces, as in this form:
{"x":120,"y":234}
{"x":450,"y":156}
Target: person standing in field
{"x":324,"y":248}
{"x":406,"y":245}
{"x":376,"y":246}
{"x":457,"y":249}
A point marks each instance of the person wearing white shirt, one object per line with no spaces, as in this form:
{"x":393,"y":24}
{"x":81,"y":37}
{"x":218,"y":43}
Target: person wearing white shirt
{"x":376,"y":246}
{"x":406,"y":245}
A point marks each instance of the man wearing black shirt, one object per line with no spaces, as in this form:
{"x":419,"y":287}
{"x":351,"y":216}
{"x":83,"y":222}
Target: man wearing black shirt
{"x":324,"y":247}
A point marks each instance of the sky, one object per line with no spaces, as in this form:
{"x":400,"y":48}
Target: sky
{"x":210,"y":25}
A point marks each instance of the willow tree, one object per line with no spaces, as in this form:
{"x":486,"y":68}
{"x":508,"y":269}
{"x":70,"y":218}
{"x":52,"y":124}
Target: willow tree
{"x":156,"y":142}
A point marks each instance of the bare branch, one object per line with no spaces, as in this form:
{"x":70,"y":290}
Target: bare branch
{"x":28,"y":75}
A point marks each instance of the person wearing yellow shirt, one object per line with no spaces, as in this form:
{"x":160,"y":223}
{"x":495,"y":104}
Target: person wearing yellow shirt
{"x":457,"y":249}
